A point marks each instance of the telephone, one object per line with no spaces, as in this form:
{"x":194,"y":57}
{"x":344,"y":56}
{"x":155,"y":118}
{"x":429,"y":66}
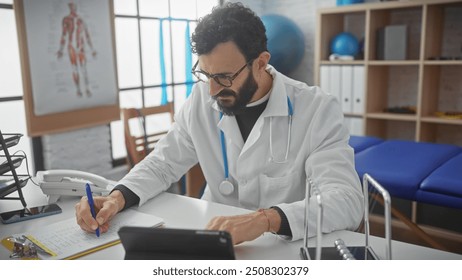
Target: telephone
{"x":63,"y":182}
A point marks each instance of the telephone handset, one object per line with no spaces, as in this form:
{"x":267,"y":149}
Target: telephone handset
{"x":59,"y":182}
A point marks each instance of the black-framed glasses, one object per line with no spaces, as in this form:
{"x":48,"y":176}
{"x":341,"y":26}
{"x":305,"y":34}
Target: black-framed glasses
{"x":221,"y":79}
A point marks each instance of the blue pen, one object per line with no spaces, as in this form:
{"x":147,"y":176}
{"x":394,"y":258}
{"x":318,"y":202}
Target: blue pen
{"x":92,"y":205}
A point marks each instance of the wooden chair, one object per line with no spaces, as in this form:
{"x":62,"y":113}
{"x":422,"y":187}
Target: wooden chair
{"x":139,"y":146}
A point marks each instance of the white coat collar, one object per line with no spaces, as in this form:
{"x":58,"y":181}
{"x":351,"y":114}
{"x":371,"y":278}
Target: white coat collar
{"x":277,"y":104}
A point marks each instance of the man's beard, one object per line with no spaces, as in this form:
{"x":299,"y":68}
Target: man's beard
{"x":237,"y":101}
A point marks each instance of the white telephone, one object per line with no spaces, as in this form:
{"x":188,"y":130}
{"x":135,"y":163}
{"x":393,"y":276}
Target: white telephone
{"x":58,"y":182}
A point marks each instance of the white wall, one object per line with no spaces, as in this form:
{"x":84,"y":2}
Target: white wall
{"x":84,"y":149}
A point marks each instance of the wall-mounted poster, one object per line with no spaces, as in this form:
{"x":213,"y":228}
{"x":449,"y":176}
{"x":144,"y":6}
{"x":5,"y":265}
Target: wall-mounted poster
{"x":68,"y":62}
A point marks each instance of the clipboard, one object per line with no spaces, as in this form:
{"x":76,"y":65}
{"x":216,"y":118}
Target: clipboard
{"x":66,"y":240}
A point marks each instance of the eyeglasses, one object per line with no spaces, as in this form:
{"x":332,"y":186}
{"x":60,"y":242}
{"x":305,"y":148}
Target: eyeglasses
{"x":221,"y":79}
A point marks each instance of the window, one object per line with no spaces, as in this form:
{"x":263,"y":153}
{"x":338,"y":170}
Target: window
{"x":139,"y":44}
{"x":12,"y":115}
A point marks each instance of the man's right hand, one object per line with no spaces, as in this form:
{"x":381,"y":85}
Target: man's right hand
{"x":106,"y":207}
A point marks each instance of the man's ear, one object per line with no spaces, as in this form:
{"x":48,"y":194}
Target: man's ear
{"x":263,"y":60}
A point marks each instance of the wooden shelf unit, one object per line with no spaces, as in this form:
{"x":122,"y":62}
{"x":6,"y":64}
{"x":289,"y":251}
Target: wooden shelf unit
{"x":430,"y":79}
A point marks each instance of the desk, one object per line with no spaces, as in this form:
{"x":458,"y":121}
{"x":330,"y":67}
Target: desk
{"x":185,"y":212}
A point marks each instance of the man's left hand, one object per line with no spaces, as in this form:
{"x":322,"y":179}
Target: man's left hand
{"x":247,"y":227}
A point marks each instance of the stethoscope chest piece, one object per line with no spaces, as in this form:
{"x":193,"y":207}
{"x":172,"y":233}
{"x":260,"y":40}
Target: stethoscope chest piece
{"x":226,"y":188}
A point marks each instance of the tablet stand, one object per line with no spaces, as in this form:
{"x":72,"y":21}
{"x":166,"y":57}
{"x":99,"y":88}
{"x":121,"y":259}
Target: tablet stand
{"x":387,"y":204}
{"x":340,"y":250}
{"x":311,"y":190}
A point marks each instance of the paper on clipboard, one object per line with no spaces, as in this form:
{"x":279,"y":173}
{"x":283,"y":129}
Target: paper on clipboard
{"x":66,"y":240}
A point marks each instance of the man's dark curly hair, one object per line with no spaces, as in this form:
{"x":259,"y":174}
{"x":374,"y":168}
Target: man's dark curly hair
{"x":230,"y":22}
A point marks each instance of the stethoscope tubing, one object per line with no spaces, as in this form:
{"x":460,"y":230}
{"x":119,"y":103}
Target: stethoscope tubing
{"x":223,"y":151}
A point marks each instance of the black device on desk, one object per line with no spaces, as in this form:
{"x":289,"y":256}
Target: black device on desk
{"x":29,"y":213}
{"x":141,"y":243}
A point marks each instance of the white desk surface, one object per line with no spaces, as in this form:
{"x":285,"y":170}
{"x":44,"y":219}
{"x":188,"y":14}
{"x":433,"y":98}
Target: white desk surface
{"x":184,"y":212}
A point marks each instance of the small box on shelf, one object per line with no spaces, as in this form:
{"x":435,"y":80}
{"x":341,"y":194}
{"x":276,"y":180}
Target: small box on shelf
{"x":392,"y":42}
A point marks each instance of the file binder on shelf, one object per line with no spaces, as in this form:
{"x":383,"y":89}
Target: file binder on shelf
{"x":325,"y":78}
{"x":358,"y":89}
{"x":347,"y":89}
{"x":15,"y":183}
{"x":335,"y":82}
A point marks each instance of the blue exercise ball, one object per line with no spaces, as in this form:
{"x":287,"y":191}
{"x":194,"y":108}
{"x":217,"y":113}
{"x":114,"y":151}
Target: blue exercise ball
{"x":286,"y":42}
{"x":344,"y":44}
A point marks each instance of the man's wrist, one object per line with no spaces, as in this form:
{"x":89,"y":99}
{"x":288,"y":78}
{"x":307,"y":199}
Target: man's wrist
{"x":129,"y":198}
{"x":274,"y":220}
{"x":284,"y":228}
{"x":118,"y":199}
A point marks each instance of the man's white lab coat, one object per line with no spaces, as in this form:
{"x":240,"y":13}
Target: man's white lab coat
{"x":318,"y":150}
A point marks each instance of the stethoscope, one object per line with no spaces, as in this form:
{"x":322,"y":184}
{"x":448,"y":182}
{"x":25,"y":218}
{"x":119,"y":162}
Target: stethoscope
{"x":226,"y":187}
